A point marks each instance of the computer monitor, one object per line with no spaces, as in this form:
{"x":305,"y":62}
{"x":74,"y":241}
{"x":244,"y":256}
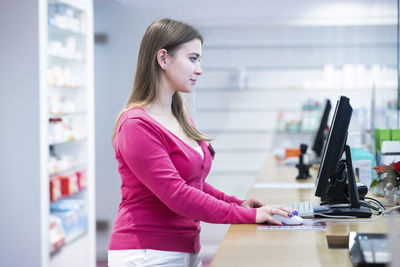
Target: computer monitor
{"x":319,"y":135}
{"x":336,"y":184}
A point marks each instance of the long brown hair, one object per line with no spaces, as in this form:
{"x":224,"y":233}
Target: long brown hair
{"x":168,"y":34}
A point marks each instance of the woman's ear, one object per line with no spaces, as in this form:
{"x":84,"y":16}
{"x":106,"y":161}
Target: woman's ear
{"x":162,"y":58}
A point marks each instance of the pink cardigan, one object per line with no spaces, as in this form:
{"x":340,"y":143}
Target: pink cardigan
{"x":164,"y":195}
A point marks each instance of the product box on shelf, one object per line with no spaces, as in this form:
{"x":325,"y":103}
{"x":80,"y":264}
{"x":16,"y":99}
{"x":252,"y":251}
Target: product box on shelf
{"x":73,"y":216}
{"x":65,"y":17}
{"x":55,"y":189}
{"x":82,"y":179}
{"x":69,"y":184}
{"x":57,"y":165}
{"x":61,"y":130}
{"x":56,"y":234}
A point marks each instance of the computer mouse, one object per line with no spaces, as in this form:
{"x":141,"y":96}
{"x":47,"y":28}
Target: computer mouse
{"x":294,"y":220}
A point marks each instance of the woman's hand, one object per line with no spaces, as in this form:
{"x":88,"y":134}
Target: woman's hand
{"x":252,"y":203}
{"x":264,"y":213}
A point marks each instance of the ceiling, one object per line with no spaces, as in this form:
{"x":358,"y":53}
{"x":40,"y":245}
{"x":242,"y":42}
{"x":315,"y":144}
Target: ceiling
{"x":266,"y":12}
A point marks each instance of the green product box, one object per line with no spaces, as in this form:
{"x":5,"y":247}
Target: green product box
{"x":395,"y":134}
{"x":380,"y":136}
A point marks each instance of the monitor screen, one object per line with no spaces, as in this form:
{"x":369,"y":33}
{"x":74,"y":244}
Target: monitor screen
{"x":334,"y":147}
{"x":319,"y":136}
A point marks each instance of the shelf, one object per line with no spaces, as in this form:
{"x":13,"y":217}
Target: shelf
{"x":294,"y":132}
{"x":252,"y":131}
{"x":60,"y":115}
{"x":66,"y":58}
{"x":73,"y":253}
{"x":69,"y":142}
{"x":79,"y":194}
{"x":244,"y":109}
{"x":243,"y":150}
{"x":273,"y":67}
{"x":299,"y":46}
{"x":65,"y":87}
{"x":247,"y":173}
{"x":74,"y":238}
{"x":75,"y":168}
{"x":276,"y":89}
{"x":81,"y":5}
{"x":55,"y":31}
{"x":237,"y":131}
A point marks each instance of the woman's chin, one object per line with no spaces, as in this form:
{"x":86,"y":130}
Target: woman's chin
{"x":186,"y":90}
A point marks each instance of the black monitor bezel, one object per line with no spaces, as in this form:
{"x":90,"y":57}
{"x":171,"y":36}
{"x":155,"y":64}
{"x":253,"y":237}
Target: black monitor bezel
{"x":334,"y":146}
{"x":319,"y":136}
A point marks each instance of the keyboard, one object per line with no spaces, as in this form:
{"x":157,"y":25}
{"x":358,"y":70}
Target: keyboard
{"x":305,"y":209}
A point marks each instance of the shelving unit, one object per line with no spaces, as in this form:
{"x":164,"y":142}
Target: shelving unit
{"x":70,"y":141}
{"x":47,"y":118}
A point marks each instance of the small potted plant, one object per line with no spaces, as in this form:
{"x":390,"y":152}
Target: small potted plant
{"x":387,"y":181}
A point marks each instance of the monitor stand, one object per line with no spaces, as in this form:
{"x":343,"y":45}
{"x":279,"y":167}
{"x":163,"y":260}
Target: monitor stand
{"x":340,"y":202}
{"x":334,"y":210}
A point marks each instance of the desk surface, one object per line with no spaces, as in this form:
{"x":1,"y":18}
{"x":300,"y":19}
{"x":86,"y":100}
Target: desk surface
{"x":245,"y":245}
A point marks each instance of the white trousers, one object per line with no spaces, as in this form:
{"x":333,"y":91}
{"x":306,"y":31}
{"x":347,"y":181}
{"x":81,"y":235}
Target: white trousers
{"x":150,"y":257}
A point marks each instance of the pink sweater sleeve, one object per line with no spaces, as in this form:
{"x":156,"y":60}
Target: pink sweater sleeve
{"x":143,"y":150}
{"x":220,"y":195}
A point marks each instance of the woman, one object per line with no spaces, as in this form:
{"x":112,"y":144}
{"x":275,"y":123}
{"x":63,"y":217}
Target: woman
{"x":163,"y":160}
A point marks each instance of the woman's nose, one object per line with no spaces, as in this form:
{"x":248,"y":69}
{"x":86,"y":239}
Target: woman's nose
{"x":198,"y":70}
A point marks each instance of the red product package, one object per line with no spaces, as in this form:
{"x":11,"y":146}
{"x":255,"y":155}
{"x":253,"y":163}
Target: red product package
{"x":55,"y":189}
{"x":82,"y":179}
{"x":69,"y":184}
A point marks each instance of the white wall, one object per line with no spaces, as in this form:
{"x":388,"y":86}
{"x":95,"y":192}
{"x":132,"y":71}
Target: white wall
{"x":281,"y":49}
{"x":19,"y":119}
{"x":284,"y":66}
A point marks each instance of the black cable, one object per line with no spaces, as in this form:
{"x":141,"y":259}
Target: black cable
{"x":378,"y":208}
{"x":379,"y":203}
{"x":365,"y":204}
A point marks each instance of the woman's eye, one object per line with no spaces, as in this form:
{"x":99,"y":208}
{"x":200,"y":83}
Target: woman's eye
{"x":193,"y":59}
